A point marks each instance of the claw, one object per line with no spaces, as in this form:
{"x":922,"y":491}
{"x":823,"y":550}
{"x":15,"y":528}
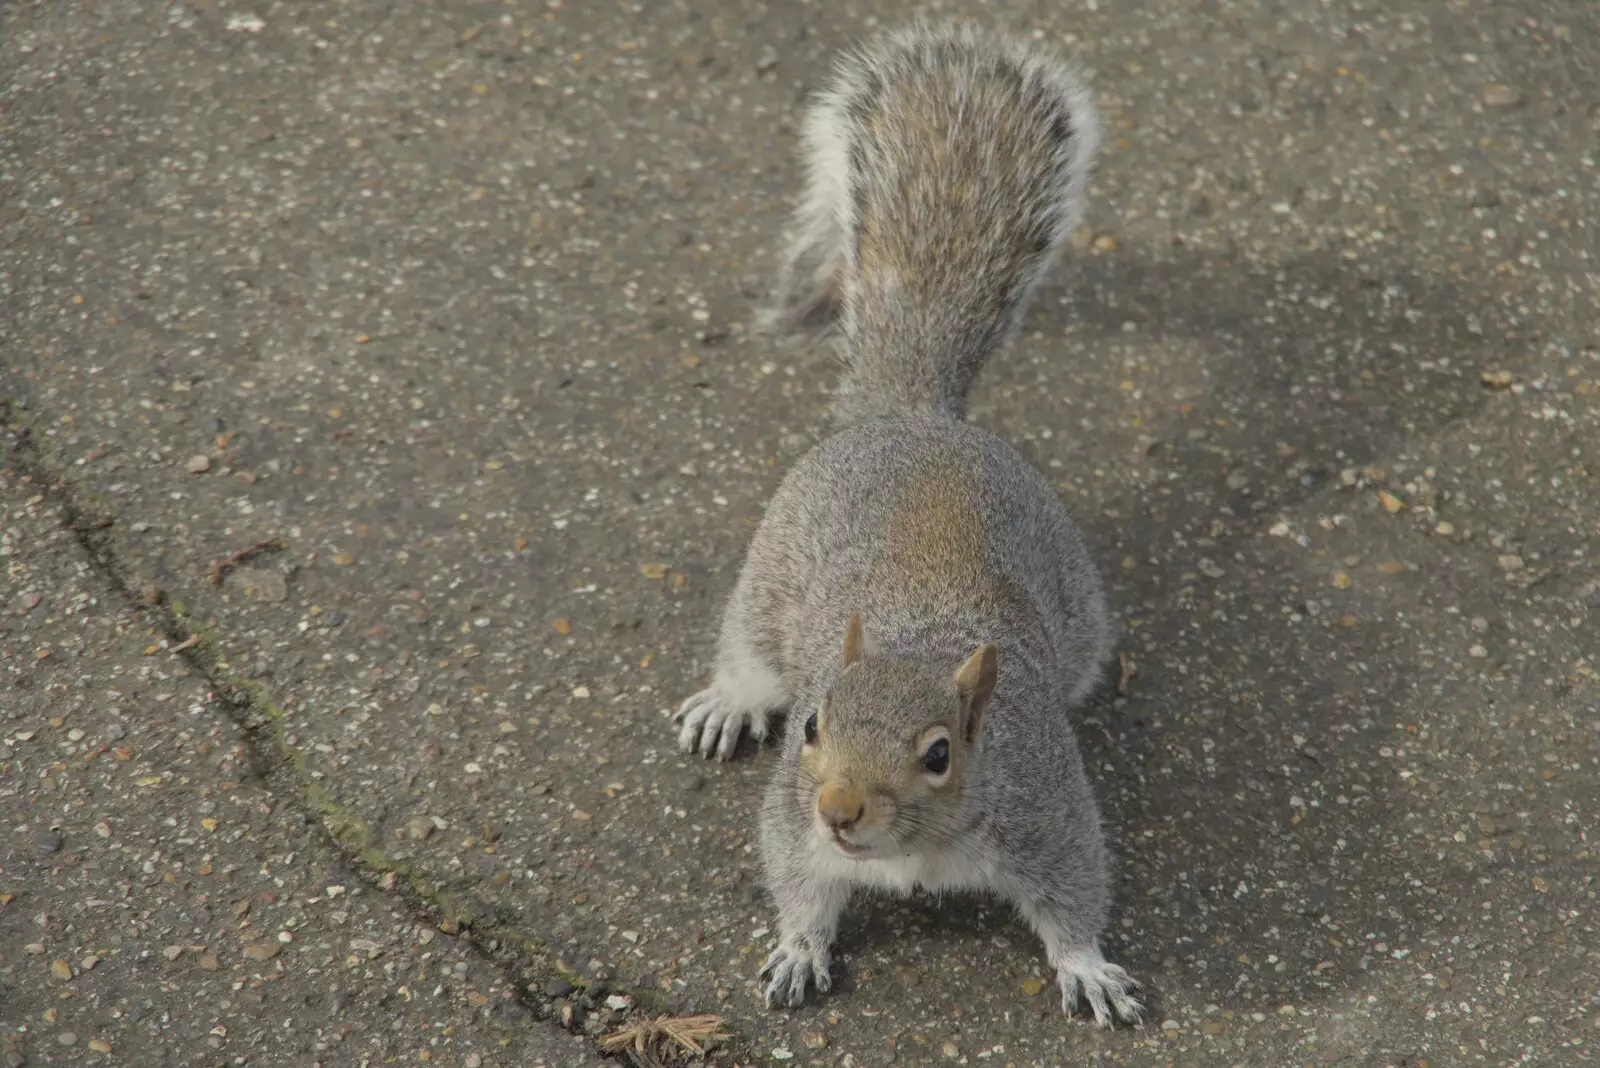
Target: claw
{"x":730,"y":742}
{"x":1106,"y":987}
{"x":786,"y":972}
{"x":710,"y":724}
{"x":1097,"y":1005}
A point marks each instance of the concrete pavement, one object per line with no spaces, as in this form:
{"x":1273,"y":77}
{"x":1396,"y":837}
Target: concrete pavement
{"x":442,"y":308}
{"x":167,"y":899}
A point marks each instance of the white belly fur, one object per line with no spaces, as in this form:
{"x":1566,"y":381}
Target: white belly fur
{"x":903,"y":874}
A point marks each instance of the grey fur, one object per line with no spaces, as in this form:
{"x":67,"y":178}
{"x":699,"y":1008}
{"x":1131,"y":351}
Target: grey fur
{"x":947,"y":166}
{"x":927,"y":276}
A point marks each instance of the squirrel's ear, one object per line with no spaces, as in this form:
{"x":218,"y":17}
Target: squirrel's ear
{"x":855,"y":645}
{"x":975,"y":683}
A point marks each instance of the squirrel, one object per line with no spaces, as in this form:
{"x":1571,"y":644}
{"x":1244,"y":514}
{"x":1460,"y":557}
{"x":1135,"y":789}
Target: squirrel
{"x":916,"y":595}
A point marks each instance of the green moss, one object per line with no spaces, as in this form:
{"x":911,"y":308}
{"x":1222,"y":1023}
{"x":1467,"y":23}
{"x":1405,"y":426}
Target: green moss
{"x":353,"y":833}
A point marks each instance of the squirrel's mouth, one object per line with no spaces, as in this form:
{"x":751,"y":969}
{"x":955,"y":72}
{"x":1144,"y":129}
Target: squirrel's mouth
{"x":849,"y":848}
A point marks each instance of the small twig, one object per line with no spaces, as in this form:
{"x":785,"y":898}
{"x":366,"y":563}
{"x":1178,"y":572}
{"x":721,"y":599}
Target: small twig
{"x":642,"y":1060}
{"x":227,"y":563}
{"x":687,"y":1032}
{"x":1126,"y":677}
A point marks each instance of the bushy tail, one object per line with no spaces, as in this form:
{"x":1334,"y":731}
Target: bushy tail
{"x":945,"y":168}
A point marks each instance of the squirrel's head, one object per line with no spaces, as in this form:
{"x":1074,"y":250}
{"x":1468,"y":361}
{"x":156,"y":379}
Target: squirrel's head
{"x":887,"y":752}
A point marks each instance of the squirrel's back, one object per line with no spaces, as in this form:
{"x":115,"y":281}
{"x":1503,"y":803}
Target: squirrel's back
{"x":946,"y":167}
{"x":941,"y":535}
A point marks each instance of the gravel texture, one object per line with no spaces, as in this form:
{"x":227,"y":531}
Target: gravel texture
{"x":436,"y":314}
{"x":163,"y":899}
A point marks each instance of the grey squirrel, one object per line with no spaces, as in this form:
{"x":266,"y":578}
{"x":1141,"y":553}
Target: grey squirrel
{"x":916,"y":594}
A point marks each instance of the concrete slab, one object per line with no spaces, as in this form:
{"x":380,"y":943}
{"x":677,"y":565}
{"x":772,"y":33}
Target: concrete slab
{"x":164,"y":897}
{"x":444,"y":307}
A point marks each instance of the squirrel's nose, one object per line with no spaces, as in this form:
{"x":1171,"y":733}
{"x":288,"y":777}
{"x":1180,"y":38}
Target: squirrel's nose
{"x":841,"y":807}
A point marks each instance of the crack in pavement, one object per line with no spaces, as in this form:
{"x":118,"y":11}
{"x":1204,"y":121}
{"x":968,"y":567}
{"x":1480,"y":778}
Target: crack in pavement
{"x":273,"y":757}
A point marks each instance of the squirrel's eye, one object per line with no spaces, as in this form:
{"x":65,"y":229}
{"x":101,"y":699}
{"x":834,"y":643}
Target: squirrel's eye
{"x":936,"y":761}
{"x":811,"y":729}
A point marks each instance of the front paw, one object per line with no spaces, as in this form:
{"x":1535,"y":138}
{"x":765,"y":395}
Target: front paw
{"x":786,"y":972}
{"x":1108,"y":989}
{"x":710,"y":723}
